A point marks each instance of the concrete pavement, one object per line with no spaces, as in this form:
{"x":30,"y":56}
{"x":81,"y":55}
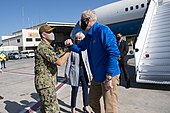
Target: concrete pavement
{"x":17,"y":88}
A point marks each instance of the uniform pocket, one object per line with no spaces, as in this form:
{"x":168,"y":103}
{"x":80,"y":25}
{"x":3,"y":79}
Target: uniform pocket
{"x":43,"y":81}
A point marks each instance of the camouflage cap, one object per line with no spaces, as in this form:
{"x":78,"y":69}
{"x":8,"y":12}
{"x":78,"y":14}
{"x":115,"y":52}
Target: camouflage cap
{"x":45,"y":28}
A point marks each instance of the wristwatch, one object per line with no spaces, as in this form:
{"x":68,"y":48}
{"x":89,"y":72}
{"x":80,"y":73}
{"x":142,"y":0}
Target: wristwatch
{"x":108,"y":79}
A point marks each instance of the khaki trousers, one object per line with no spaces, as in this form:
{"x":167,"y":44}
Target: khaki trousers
{"x":110,"y":97}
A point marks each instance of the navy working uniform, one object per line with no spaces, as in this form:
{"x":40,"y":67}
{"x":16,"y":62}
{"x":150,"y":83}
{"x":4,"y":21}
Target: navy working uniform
{"x":45,"y":77}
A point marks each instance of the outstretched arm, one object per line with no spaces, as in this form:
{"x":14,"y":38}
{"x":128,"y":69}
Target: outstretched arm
{"x":61,"y":60}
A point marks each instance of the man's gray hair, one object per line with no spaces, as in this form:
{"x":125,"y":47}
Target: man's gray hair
{"x":88,"y":14}
{"x":81,"y":34}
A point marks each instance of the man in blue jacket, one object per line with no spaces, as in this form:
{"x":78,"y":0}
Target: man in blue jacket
{"x":103,"y":54}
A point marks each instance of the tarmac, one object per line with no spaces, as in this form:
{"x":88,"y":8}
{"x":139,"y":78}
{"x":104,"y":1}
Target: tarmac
{"x":19,"y":95}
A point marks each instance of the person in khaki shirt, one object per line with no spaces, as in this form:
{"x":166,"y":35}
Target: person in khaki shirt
{"x":46,"y":62}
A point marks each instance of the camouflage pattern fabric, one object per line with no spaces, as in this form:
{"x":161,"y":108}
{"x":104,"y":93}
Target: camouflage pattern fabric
{"x":45,"y":77}
{"x":48,"y":98}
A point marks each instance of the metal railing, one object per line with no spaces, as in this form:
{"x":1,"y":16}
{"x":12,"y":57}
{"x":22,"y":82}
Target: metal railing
{"x":140,"y":44}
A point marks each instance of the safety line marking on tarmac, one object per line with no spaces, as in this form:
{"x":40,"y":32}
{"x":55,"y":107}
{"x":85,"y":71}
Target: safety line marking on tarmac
{"x":20,"y":73}
{"x":33,"y":108}
{"x":17,"y":68}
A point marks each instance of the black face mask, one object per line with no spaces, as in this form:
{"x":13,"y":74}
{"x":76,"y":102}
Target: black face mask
{"x":77,"y":41}
{"x":83,"y":25}
{"x":118,"y":38}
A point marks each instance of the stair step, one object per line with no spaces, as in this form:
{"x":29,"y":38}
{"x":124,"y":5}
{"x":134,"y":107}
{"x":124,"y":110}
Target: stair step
{"x":159,"y":31}
{"x":157,"y":50}
{"x":164,"y":5}
{"x":166,"y":2}
{"x":154,"y":65}
{"x":160,"y":8}
{"x":163,"y":55}
{"x":160,"y":26}
{"x":157,"y":40}
{"x":153,"y":62}
{"x":161,"y":12}
{"x":161,"y":18}
{"x":157,"y":28}
{"x":146,"y":78}
{"x":156,"y":74}
{"x":160,"y":35}
{"x":155,"y":46}
{"x":158,"y":69}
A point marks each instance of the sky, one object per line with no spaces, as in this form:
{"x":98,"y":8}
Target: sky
{"x":18,"y":14}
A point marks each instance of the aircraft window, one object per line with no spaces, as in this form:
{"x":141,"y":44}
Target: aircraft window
{"x":131,"y":8}
{"x":142,"y":5}
{"x":126,"y":9}
{"x":137,"y":6}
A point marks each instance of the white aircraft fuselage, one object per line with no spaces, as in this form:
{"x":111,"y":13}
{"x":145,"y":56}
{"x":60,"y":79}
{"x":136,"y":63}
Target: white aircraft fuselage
{"x":125,"y":16}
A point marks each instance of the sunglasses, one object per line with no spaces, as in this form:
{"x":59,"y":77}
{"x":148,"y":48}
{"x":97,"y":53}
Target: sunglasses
{"x":85,"y":19}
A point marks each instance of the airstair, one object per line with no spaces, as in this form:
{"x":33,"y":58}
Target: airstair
{"x":152,"y":49}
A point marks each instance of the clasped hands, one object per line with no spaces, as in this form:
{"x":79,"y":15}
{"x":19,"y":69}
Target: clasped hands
{"x":68,"y":42}
{"x":108,"y":82}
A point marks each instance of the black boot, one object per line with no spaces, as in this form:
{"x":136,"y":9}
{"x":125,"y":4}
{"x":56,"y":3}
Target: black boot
{"x":1,"y":97}
{"x":128,"y":83}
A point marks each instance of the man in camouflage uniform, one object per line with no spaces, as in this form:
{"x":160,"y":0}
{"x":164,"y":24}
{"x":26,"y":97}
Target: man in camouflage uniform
{"x":46,"y":62}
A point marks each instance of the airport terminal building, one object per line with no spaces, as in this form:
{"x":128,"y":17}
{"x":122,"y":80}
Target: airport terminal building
{"x":28,"y":38}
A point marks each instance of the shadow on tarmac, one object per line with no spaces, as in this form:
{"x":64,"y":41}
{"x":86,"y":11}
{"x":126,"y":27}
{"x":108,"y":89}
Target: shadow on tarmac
{"x":60,"y":79}
{"x":14,"y":107}
{"x":62,"y":103}
{"x":35,"y":96}
{"x":134,"y":84}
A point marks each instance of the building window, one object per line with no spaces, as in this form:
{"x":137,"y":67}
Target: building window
{"x":29,"y":39}
{"x":126,"y":9}
{"x":142,"y":5}
{"x":137,"y":6}
{"x":131,"y":8}
{"x":38,"y":39}
{"x":18,"y":40}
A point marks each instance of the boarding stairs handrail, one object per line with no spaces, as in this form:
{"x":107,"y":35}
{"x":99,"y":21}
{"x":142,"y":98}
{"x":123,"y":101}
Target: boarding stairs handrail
{"x":144,"y":32}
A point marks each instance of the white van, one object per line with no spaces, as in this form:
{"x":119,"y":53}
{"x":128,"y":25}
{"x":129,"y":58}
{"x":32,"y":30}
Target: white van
{"x":27,"y":54}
